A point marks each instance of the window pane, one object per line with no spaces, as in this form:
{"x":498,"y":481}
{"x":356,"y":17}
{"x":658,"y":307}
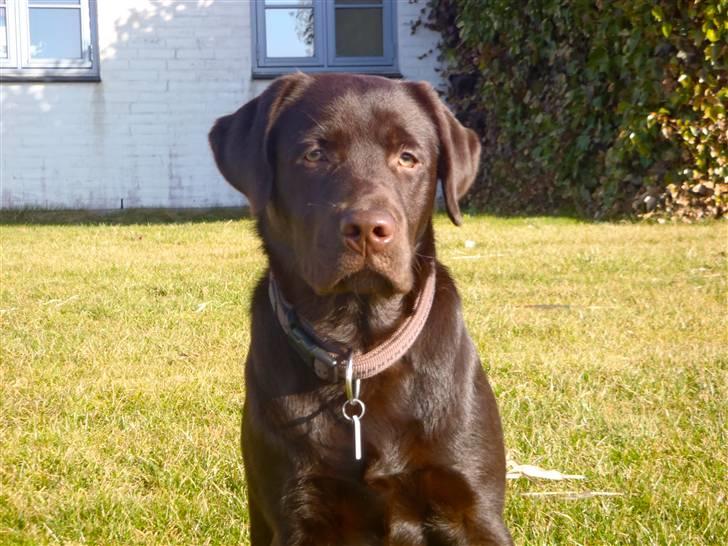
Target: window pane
{"x":368,"y":2}
{"x":359,"y":32}
{"x":55,"y":33}
{"x":3,"y":35}
{"x":289,"y":32}
{"x":288,"y":2}
{"x":69,"y":2}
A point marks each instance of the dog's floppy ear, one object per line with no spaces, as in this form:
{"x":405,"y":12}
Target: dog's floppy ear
{"x":239,"y":141}
{"x":459,"y":149}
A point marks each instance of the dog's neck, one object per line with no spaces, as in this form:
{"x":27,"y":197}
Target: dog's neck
{"x":358,"y":322}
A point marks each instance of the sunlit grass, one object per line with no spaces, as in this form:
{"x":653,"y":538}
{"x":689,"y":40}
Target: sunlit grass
{"x":121,"y":380}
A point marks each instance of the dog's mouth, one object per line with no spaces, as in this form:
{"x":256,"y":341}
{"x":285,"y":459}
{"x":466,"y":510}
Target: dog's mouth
{"x":366,"y":282}
{"x":371,"y":274}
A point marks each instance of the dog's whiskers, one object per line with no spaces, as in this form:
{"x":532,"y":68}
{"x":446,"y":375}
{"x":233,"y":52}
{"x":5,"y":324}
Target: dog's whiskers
{"x":323,"y":205}
{"x":317,"y":123}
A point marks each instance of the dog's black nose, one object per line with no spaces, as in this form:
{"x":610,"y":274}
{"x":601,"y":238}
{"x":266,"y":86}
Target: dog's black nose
{"x":363,"y":230}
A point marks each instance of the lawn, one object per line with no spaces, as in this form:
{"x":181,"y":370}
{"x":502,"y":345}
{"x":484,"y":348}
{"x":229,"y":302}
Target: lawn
{"x":121,"y":374}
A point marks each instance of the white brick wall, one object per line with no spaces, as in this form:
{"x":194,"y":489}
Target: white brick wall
{"x":417,"y":52}
{"x":168,"y":69}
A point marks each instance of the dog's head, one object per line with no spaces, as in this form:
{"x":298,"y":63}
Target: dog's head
{"x":341,"y":172}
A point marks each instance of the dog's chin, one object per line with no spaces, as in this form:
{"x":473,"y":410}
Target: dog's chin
{"x":366,"y":282}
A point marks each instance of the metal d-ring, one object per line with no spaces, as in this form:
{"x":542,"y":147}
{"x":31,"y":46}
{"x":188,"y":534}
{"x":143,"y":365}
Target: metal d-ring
{"x":351,"y":386}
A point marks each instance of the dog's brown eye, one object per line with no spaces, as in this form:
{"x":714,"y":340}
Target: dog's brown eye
{"x":314,"y":155}
{"x":407,"y":160}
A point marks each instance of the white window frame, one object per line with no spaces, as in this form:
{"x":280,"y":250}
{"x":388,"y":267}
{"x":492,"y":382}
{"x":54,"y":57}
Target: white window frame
{"x":325,"y":59}
{"x":10,"y":28}
{"x":20,"y":66}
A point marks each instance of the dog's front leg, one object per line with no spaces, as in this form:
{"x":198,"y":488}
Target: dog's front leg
{"x":260,"y":533}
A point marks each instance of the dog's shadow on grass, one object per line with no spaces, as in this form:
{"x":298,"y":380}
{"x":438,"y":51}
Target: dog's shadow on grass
{"x":121,"y":217}
{"x":143,"y":216}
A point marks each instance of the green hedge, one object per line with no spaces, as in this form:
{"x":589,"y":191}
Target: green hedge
{"x":603,"y":106}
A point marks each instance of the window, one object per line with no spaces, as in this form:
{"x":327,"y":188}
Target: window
{"x":48,"y":40}
{"x":324,"y":35}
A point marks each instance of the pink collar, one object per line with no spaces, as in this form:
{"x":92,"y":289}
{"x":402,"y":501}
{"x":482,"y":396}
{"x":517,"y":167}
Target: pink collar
{"x":330,"y":366}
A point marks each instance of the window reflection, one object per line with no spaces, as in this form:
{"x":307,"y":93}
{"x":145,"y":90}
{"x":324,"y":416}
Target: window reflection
{"x":289,"y":32}
{"x":359,"y":32}
{"x":55,"y":33}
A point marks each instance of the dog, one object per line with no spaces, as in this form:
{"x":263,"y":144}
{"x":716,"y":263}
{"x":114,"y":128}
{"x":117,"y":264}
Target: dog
{"x":368,"y":418}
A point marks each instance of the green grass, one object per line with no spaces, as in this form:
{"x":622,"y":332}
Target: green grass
{"x":120,"y":394}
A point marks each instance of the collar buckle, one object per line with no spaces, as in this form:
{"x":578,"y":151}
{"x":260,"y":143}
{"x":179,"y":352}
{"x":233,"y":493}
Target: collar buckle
{"x":330,"y":366}
{"x":324,"y":365}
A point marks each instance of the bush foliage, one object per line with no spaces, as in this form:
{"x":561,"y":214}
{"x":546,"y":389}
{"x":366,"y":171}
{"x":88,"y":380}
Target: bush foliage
{"x":606,"y":107}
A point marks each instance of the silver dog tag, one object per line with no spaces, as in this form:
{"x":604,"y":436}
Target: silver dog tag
{"x":357,"y":437}
{"x":352,"y":388}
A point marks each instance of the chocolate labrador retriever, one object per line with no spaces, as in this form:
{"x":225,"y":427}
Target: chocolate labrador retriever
{"x":368,"y":418}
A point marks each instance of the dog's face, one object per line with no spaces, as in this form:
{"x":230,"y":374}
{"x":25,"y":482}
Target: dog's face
{"x":341,"y":172}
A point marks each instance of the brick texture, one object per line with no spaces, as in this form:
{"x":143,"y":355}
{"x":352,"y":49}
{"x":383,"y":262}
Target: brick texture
{"x":168,"y":69}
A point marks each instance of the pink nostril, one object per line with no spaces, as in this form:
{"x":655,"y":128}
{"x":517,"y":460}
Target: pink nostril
{"x":382,"y":231}
{"x":367,"y":230}
{"x":351,"y":231}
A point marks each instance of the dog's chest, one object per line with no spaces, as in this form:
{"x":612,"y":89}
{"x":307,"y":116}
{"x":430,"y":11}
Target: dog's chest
{"x":417,"y":506}
{"x":397,"y":485}
{"x":395,"y":433}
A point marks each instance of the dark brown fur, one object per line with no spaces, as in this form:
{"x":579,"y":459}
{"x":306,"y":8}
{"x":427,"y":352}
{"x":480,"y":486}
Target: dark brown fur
{"x":433,"y":471}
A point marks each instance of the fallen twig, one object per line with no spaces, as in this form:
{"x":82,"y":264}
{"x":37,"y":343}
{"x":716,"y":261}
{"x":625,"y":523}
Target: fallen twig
{"x":60,"y":302}
{"x":549,"y":306}
{"x":572,"y":495}
{"x":516,"y":471}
